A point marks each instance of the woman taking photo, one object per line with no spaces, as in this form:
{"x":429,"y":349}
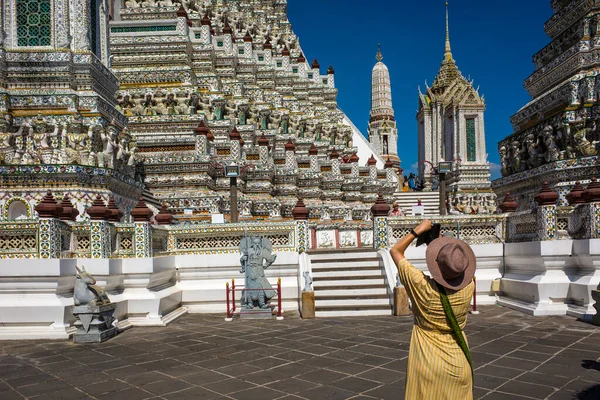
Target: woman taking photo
{"x":439,"y":363}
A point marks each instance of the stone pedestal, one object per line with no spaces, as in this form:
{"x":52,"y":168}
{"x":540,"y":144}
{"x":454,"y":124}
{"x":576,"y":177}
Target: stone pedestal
{"x":596,"y":297}
{"x":401,"y":301}
{"x":256,"y":313}
{"x":94,"y":323}
{"x":308,"y":305}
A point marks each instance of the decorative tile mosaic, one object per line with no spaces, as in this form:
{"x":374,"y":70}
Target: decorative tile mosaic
{"x":546,"y":222}
{"x":143,"y":240}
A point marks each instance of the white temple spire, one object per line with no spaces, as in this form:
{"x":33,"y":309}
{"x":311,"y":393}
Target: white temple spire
{"x":383,"y":134}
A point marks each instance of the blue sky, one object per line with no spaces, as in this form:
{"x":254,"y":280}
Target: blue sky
{"x":492,"y":42}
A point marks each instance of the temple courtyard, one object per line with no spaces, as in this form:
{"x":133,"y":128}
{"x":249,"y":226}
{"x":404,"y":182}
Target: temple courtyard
{"x":203,"y":357}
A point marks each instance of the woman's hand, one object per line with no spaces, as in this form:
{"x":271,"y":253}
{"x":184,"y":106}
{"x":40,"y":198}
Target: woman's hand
{"x":423,"y":226}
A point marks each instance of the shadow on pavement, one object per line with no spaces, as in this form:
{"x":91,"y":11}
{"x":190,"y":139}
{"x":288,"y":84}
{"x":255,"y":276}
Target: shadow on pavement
{"x":591,"y":393}
{"x":591,"y":364}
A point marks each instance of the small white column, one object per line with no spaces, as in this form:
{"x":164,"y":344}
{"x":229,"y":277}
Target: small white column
{"x":290,"y":155}
{"x":248,"y":53}
{"x":331,"y":77}
{"x":301,"y":66}
{"x":335,"y":163}
{"x":285,"y":61}
{"x":268,"y":52}
{"x":227,"y":39}
{"x":316,"y":70}
{"x":205,"y":35}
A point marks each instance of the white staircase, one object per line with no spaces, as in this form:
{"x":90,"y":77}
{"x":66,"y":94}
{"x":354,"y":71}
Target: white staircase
{"x":349,"y":283}
{"x":429,"y":200}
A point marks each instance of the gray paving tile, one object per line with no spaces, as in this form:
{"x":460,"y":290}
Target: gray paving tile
{"x":202,"y":357}
{"x":526,"y":389}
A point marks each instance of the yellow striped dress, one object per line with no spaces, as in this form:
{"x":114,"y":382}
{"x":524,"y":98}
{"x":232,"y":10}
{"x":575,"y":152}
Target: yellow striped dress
{"x":437,"y":367}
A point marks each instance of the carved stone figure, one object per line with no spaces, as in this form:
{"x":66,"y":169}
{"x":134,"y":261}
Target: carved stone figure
{"x":78,"y":142}
{"x":552,"y":150}
{"x":93,"y":310}
{"x":149,"y":104}
{"x":109,"y":145}
{"x":6,"y":141}
{"x":132,"y":4}
{"x":256,"y":257}
{"x":504,"y":164}
{"x":85,"y":290}
{"x":533,"y":152}
{"x":583,"y":146}
{"x":516,"y":156}
{"x":126,"y":105}
{"x":307,"y":282}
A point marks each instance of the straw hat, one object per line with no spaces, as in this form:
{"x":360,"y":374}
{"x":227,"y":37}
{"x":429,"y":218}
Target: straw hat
{"x":451,"y":262}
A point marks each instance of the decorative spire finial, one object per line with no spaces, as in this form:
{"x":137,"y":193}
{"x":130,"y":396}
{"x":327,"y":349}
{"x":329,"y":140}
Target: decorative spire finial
{"x":448,"y":52}
{"x":379,"y":55}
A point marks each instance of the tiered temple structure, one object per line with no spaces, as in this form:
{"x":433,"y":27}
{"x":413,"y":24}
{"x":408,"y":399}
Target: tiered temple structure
{"x":205,"y":84}
{"x":451,"y":128}
{"x":59,"y":126}
{"x":383,"y":134}
{"x":556,"y":135}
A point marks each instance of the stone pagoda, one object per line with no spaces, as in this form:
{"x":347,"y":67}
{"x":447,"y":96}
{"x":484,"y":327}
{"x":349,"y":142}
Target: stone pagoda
{"x":383,"y":134}
{"x":556,"y":135}
{"x":207,"y":84}
{"x":451,"y":128}
{"x":59,"y":125}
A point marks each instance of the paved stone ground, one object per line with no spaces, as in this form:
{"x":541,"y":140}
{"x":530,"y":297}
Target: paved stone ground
{"x":203,"y":357}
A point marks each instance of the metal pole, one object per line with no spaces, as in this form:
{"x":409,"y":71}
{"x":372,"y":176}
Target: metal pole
{"x":234,"y":208}
{"x":233,"y":293}
{"x":442,"y":178}
{"x":279,"y":299}
{"x":227,"y":296}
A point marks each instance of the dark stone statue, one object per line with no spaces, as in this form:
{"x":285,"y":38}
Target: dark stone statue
{"x":256,"y":257}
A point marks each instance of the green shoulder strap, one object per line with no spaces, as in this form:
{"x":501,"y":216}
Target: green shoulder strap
{"x":454,"y":324}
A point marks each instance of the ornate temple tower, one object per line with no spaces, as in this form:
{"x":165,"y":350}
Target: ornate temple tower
{"x":57,"y":105}
{"x":451,"y":127}
{"x":383,"y":134}
{"x":561,"y":121}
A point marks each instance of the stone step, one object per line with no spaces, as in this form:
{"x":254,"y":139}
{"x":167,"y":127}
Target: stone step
{"x":341,"y":255}
{"x":342,"y":270}
{"x":337,"y":292}
{"x":344,"y":264}
{"x":348,"y":281}
{"x":348,"y":295}
{"x":352,"y":313}
{"x":358,"y":303}
{"x":356,"y":307}
{"x":346,"y":274}
{"x":342,"y":286}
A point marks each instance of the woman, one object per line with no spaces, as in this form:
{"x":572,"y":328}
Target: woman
{"x":439,"y":364}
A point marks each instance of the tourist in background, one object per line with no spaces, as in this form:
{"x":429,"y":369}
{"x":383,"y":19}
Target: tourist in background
{"x":439,"y":362}
{"x":396,"y":211}
{"x":405,"y":183}
{"x":411,"y":182}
